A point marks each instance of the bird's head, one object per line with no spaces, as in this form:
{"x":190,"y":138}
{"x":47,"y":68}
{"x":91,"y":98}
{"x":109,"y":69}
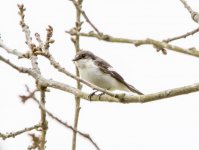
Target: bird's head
{"x":83,"y":57}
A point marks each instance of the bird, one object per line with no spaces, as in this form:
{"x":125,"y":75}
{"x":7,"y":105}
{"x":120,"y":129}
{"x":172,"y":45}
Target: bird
{"x":97,"y":71}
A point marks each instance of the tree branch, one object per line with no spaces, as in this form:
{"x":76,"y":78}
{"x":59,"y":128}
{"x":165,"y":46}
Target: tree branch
{"x":79,"y":9}
{"x":194,"y":15}
{"x":16,"y":133}
{"x":36,"y":69}
{"x":44,"y":123}
{"x":13,"y":51}
{"x":156,"y":43}
{"x":24,"y":26}
{"x":65,"y":124}
{"x":76,"y":42}
{"x":182,"y":36}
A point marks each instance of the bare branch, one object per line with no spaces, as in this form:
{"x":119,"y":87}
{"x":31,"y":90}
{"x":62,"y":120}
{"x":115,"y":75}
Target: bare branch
{"x":25,"y":28}
{"x":65,"y":124}
{"x":78,"y":7}
{"x":157,"y":44}
{"x":16,"y":133}
{"x":194,"y":15}
{"x":35,"y":68}
{"x":38,"y":38}
{"x":13,"y":51}
{"x":48,"y":37}
{"x":76,"y":42}
{"x":164,"y":94}
{"x":119,"y":97}
{"x":7,"y":61}
{"x":182,"y":36}
{"x":44,"y":123}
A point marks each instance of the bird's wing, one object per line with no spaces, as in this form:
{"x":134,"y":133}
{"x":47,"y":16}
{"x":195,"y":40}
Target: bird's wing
{"x":108,"y":69}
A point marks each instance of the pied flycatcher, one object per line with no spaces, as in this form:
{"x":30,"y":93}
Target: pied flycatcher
{"x":100,"y":73}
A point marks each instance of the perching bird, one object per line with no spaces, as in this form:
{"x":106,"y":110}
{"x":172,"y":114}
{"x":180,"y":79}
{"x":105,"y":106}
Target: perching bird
{"x":100,"y":73}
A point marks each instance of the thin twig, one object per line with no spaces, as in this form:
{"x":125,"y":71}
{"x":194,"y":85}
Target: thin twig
{"x":65,"y":124}
{"x":48,"y":37}
{"x":13,"y":51}
{"x":194,"y":14}
{"x":187,"y":6}
{"x":26,"y":30}
{"x":24,"y":26}
{"x":16,"y":133}
{"x":78,"y":7}
{"x":182,"y":36}
{"x":20,"y":69}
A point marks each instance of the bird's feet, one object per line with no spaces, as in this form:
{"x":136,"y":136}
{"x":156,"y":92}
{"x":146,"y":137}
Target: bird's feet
{"x":90,"y":95}
{"x":93,"y":93}
{"x":101,"y":95}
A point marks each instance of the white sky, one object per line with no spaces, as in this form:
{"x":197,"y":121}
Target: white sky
{"x":167,"y":124}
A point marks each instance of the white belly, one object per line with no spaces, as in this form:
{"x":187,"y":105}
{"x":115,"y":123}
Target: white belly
{"x":96,"y":77}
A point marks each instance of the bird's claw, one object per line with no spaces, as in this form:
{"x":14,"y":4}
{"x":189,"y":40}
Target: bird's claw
{"x":101,"y":95}
{"x":90,"y":95}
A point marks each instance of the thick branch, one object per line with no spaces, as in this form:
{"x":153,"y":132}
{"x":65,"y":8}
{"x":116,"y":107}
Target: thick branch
{"x":14,"y":134}
{"x":164,"y":94}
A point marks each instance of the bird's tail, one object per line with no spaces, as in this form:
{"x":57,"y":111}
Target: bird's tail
{"x":134,"y":90}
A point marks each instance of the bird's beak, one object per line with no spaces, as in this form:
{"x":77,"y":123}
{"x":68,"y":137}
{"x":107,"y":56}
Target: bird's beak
{"x":74,"y":59}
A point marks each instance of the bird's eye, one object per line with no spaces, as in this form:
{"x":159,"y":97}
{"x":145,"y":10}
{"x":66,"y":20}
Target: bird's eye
{"x":83,"y":55}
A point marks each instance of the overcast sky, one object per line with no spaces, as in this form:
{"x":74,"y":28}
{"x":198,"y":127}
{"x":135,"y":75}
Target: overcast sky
{"x":160,"y":125}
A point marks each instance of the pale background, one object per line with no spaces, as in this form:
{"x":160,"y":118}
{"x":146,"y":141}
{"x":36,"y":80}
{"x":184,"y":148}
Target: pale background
{"x":161,"y":125}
